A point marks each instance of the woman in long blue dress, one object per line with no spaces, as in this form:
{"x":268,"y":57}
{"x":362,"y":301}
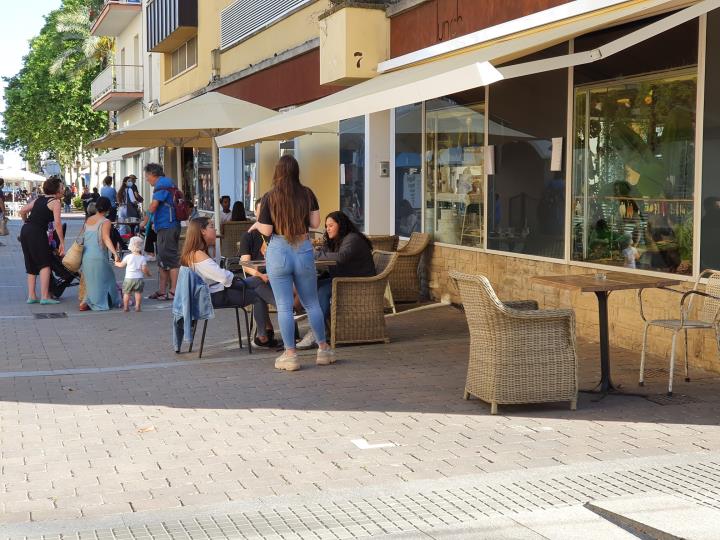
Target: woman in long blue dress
{"x":100,"y":288}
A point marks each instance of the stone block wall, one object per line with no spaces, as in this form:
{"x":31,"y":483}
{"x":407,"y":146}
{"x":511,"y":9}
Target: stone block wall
{"x":510,"y":276}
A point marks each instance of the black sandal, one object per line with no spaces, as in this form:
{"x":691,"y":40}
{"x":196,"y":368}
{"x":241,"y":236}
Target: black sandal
{"x":271,"y":342}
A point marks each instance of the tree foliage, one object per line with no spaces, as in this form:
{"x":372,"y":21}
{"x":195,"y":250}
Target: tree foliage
{"x":48,"y":110}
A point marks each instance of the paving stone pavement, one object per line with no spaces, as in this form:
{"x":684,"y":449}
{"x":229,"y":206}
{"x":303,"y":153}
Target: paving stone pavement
{"x":100,"y":419}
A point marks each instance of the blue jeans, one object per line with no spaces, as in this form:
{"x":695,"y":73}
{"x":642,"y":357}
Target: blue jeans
{"x":289,"y":265}
{"x":325,"y":295}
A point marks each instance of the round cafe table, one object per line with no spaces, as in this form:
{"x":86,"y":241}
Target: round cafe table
{"x":613,"y":281}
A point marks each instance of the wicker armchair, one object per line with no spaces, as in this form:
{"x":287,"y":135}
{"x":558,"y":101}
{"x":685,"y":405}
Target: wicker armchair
{"x":358,"y":304}
{"x":516,"y":356}
{"x":404,"y":281}
{"x":232,"y":232}
{"x":384,"y":242}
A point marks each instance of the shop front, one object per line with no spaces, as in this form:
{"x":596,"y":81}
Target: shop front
{"x":604,"y":166}
{"x":590,"y":162}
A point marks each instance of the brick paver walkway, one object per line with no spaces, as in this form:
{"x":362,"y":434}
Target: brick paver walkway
{"x":98,"y":416}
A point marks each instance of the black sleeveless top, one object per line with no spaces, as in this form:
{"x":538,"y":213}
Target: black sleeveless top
{"x":41,"y":216}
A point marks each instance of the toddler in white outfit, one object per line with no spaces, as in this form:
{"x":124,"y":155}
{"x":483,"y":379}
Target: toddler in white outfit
{"x":136,"y":269}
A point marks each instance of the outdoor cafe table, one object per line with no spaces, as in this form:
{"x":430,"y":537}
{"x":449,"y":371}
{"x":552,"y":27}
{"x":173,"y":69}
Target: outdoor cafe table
{"x":260,"y":264}
{"x":614,"y":281}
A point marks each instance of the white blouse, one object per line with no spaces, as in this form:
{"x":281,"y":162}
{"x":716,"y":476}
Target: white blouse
{"x":217,"y":278}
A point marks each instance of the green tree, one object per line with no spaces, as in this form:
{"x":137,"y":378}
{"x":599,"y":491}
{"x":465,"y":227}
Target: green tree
{"x":82,"y":50}
{"x":48,"y":111}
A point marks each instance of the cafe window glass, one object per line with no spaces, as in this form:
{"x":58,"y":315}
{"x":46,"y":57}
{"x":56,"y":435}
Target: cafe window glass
{"x":526,"y":181}
{"x":249,"y":179}
{"x":454,"y":158}
{"x":352,"y":169}
{"x":203,"y":173}
{"x":408,"y":169}
{"x":710,"y":221}
{"x":634,"y":168}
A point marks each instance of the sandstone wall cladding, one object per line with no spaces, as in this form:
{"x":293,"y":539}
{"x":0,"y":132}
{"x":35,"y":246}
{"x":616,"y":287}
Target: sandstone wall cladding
{"x":511,"y":278}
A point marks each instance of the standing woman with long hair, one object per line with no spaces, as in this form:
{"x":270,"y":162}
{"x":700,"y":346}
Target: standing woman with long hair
{"x":37,"y":215}
{"x":288,"y":210}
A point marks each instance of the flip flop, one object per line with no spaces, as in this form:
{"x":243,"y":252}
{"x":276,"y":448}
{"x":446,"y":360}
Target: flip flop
{"x":32,"y":301}
{"x":157,"y":295}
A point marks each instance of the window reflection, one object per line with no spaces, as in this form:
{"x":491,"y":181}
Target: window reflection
{"x":454,"y":139}
{"x":526,"y":181}
{"x":352,"y":169}
{"x":408,"y":172}
{"x":249,"y":185}
{"x":710,"y":223}
{"x":634,"y":171}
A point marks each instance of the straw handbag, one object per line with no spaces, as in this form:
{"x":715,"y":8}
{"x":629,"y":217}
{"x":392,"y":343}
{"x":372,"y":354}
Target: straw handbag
{"x":73,"y":256}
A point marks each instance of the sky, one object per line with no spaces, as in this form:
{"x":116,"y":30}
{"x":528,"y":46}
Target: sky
{"x":19,"y":24}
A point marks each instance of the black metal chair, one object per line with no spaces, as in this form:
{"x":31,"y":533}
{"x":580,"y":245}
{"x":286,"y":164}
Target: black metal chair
{"x":248,"y":327}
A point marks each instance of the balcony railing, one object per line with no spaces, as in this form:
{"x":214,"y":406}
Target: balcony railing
{"x":117,"y":85}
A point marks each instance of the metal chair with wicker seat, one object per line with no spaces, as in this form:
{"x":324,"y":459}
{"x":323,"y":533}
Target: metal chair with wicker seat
{"x":232,"y":232}
{"x":358,"y":304}
{"x":404,"y":280}
{"x":516,"y":356}
{"x":708,"y":319}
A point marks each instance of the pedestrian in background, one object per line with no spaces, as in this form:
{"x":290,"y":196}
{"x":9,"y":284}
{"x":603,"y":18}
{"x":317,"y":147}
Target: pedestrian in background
{"x":67,"y":199}
{"x":3,"y":210}
{"x":108,"y":191}
{"x":238,"y":212}
{"x":167,"y":228}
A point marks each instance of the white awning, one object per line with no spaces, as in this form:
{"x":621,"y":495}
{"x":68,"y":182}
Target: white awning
{"x":466,"y":71}
{"x":117,"y":154}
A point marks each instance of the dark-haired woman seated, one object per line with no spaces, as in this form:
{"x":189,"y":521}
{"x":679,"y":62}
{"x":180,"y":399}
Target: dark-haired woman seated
{"x":227,"y":290}
{"x":352,"y":252}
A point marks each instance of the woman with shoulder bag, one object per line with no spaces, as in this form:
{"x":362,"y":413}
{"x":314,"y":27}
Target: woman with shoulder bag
{"x":101,"y":292}
{"x":37,"y":215}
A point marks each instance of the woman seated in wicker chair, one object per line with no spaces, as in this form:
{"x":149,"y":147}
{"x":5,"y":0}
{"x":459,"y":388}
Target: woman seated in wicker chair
{"x":352,"y":252}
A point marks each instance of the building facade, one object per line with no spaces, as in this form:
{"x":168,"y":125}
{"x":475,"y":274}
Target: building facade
{"x":592,"y":151}
{"x":128,"y":87}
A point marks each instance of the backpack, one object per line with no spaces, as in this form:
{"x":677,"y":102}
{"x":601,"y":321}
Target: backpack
{"x":180,"y":205}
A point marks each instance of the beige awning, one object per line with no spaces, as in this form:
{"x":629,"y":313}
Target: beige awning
{"x":457,"y":73}
{"x":195,"y":122}
{"x":191,"y":123}
{"x":117,"y":154}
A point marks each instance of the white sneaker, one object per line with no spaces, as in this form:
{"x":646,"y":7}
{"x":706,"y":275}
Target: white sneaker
{"x":307,"y":342}
{"x":287,"y":361}
{"x":325,"y":357}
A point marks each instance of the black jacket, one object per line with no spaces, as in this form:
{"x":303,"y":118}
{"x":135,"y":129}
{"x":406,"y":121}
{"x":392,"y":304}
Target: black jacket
{"x":354,"y":258}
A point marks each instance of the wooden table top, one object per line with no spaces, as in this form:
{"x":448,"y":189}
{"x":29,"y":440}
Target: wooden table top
{"x":262,"y":263}
{"x":615,"y":281}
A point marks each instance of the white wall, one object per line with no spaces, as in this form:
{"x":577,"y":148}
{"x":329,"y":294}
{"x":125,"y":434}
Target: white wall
{"x":378,"y":189}
{"x":231,"y":173}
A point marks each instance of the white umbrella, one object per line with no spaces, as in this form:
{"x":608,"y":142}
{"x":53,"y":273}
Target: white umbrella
{"x":20,"y":175}
{"x":196,"y":121}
